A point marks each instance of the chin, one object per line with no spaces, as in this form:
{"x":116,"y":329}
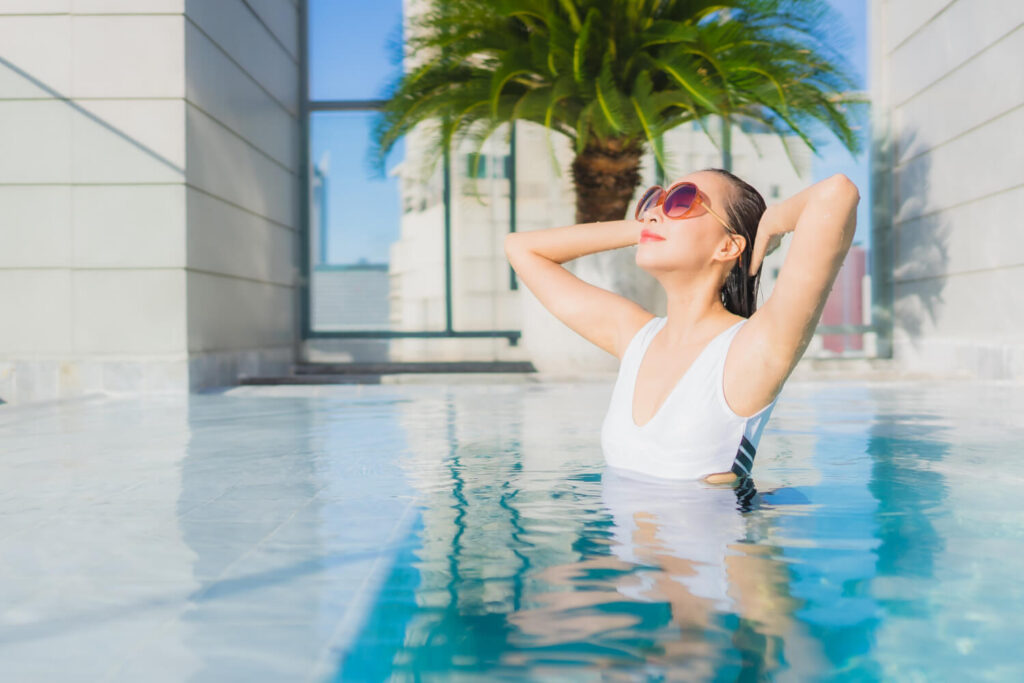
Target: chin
{"x":652,"y":262}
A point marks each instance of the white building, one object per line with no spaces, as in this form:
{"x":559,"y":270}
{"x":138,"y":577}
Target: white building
{"x":949,"y":100}
{"x":482,"y":294}
{"x":152,"y":164}
{"x":149,"y":179}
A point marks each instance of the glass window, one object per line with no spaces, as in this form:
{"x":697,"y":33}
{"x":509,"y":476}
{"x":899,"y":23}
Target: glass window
{"x":488,"y":165}
{"x":377,"y":245}
{"x":476,"y":165}
{"x":849,"y":302}
{"x":354,"y":48}
{"x":354,"y":223}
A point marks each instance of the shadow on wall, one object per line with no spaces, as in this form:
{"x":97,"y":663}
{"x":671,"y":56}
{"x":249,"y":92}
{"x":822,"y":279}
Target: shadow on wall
{"x":920,"y":240}
{"x":210,"y":157}
{"x":93,"y":117}
{"x":23,"y":380}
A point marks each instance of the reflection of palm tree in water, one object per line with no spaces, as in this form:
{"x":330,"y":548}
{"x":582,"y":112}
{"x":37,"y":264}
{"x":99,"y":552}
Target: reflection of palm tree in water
{"x":691,"y":552}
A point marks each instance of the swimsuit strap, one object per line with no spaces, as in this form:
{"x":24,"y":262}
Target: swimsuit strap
{"x":744,"y":459}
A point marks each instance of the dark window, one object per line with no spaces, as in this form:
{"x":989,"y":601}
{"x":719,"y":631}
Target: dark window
{"x":476,"y":165}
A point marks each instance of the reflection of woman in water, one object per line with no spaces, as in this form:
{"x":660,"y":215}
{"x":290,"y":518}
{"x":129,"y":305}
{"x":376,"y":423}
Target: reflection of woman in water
{"x":683,"y":407}
{"x":688,"y":527}
{"x":687,"y":546}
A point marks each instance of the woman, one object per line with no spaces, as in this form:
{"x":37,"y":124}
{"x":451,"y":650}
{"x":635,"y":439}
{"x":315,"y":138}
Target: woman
{"x":695,"y":388}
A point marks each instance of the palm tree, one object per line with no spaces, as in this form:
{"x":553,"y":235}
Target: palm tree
{"x":614,"y":75}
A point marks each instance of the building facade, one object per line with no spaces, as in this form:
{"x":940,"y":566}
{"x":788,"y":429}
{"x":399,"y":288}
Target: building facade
{"x":948,"y":91}
{"x":149,"y":179}
{"x":484,"y":297}
{"x":153,"y":168}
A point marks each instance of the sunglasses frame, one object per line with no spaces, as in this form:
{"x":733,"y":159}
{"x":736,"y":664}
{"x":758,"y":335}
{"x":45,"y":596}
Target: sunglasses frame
{"x":697,"y":198}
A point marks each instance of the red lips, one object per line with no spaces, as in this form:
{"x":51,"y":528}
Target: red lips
{"x":647,"y":235}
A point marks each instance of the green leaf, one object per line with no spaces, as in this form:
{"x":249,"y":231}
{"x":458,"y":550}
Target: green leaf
{"x":623,"y":68}
{"x":609,"y":97}
{"x":456,"y":123}
{"x":562,"y":89}
{"x":516,"y":62}
{"x":771,"y":79}
{"x":689,"y":81}
{"x":583,"y":132}
{"x":533,"y":105}
{"x":574,"y":18}
{"x":580,"y":50}
{"x":561,"y":45}
{"x":663,"y":31}
{"x":647,"y":123}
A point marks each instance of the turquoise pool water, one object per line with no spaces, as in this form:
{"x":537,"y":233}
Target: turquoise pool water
{"x":472,"y":532}
{"x":884,"y":542}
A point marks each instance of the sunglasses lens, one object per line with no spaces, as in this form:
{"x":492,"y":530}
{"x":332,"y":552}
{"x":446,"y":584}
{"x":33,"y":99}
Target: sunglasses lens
{"x":648,"y":200}
{"x":679,"y":201}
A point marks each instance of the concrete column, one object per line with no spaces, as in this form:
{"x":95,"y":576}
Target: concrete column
{"x":954,"y":94}
{"x":149,"y":186}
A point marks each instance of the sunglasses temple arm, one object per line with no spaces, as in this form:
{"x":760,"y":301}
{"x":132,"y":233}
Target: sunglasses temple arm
{"x":720,"y":219}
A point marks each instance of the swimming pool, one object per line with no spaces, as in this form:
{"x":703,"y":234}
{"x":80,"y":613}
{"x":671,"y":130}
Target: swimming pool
{"x":471,"y":531}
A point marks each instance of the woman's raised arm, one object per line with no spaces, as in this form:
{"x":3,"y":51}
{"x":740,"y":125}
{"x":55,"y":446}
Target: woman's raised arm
{"x":822,"y":218}
{"x":598,"y":315}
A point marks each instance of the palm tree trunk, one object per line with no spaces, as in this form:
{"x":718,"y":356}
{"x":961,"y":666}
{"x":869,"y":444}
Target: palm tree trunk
{"x":606,"y":176}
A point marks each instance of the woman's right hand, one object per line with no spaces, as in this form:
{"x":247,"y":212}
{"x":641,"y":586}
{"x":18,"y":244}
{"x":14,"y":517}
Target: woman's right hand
{"x":639,"y":228}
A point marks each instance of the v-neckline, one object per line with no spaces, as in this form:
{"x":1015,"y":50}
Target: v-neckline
{"x":643,"y":354}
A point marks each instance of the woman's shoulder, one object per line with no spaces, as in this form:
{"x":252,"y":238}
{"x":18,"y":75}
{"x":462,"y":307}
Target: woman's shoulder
{"x":634,"y":327}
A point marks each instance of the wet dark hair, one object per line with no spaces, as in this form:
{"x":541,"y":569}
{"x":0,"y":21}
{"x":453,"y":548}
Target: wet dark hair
{"x":739,"y":293}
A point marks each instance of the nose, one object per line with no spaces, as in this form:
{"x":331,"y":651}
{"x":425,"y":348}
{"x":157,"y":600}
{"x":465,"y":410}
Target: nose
{"x":652,"y":215}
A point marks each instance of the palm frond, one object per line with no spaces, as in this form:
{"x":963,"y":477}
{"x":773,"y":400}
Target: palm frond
{"x":628,"y":70}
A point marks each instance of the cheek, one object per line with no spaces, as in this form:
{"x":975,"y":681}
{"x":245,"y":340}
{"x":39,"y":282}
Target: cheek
{"x":687,"y":252}
{"x":683,"y":244}
{"x":696,"y":239}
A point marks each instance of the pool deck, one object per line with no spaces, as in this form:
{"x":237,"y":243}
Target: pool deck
{"x":202,"y":538}
{"x":807,"y":370}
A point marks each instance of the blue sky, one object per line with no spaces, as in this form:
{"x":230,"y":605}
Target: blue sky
{"x":352,"y":51}
{"x":350,"y":59}
{"x":834,"y":157}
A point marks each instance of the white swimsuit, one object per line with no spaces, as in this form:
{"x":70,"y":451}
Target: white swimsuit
{"x":695,"y":433}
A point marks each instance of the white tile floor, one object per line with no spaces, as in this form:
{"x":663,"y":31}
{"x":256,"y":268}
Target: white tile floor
{"x":191,"y":538}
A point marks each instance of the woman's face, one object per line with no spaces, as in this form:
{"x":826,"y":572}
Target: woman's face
{"x":690,"y":243}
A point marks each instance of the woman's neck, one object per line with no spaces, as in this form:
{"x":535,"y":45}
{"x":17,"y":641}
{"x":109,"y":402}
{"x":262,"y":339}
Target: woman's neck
{"x":691,"y":312}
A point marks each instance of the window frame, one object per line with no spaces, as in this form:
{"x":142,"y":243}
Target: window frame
{"x":307,"y":107}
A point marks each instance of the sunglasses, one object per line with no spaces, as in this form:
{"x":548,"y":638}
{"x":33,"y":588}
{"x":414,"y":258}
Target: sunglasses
{"x":677,"y":202}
